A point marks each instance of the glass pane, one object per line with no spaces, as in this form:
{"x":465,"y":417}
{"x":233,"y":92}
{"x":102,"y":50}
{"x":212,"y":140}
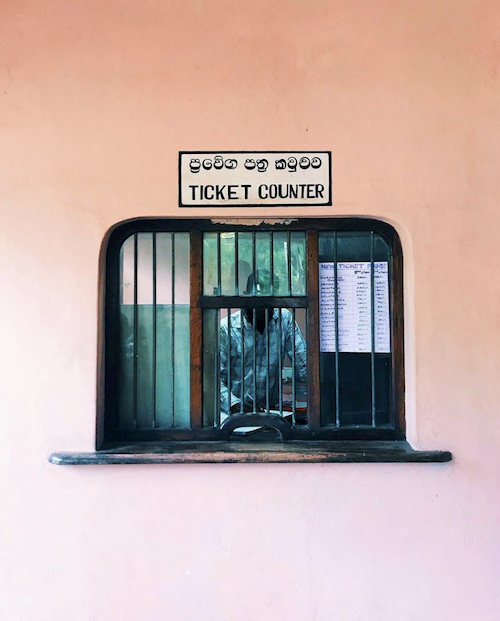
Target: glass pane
{"x":164,"y":417}
{"x":127,"y":271}
{"x":298,"y":267}
{"x":126,"y":350}
{"x":181,"y":264}
{"x":181,"y":349}
{"x":210,"y":264}
{"x":144,"y":268}
{"x":144,"y":350}
{"x":245,"y":262}
{"x":263,"y":263}
{"x":164,"y":268}
{"x":227,"y":251}
{"x":280,"y":272}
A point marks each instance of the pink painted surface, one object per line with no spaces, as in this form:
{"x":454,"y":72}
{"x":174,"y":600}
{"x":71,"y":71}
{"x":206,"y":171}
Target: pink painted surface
{"x":97,"y":98}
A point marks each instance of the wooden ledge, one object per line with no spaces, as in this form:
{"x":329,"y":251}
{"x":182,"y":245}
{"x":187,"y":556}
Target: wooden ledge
{"x":247,"y":452}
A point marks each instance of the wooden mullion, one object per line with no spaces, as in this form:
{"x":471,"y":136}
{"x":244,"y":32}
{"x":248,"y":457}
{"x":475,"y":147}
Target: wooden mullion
{"x":313,"y":384}
{"x":195,"y":328}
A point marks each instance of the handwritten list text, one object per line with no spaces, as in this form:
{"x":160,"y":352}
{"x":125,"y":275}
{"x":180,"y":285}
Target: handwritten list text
{"x":354,"y":307}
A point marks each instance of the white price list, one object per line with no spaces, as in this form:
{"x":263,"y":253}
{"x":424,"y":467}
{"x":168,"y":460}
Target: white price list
{"x":354,"y":307}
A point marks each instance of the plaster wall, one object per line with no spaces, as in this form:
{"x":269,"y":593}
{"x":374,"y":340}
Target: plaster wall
{"x":96,"y":100}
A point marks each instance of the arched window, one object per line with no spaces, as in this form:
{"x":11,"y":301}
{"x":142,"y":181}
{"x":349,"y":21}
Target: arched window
{"x":252,"y":332}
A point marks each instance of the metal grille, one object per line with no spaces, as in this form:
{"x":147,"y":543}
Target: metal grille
{"x":213,"y":324}
{"x":254,"y":364}
{"x":154,"y":331}
{"x":355,"y":324}
{"x":254,"y":325}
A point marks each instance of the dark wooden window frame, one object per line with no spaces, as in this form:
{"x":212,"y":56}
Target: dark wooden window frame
{"x":107,"y":408}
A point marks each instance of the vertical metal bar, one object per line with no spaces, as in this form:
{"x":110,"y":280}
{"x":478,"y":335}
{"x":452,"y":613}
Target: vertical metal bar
{"x":236,"y":265}
{"x":337,"y":344}
{"x":242,"y":387}
{"x":216,"y":403}
{"x":254,"y":362}
{"x":136,"y":337}
{"x":272,"y":261}
{"x":219,"y":274}
{"x":196,"y":329}
{"x":172,"y":315}
{"x":254,"y":259}
{"x":154,"y":330}
{"x":229,"y":357}
{"x":280,"y":361}
{"x":254,"y":291}
{"x":294,"y":396}
{"x":266,"y":311}
{"x":289,"y":262}
{"x":217,"y":373}
{"x":372,"y":312}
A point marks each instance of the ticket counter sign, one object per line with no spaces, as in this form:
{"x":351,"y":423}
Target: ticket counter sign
{"x":254,"y":178}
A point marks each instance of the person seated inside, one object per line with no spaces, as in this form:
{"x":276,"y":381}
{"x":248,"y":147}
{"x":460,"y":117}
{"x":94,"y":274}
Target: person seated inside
{"x":261,"y":338}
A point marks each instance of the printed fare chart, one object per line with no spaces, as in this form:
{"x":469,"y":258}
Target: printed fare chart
{"x":354,"y":307}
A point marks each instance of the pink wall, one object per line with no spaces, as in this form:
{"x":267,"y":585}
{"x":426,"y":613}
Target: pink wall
{"x":96,"y":100}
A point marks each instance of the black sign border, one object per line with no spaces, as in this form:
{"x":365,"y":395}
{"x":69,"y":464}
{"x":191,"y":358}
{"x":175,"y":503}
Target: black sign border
{"x":236,"y":206}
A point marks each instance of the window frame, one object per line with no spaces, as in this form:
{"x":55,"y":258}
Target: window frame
{"x":108,"y":434}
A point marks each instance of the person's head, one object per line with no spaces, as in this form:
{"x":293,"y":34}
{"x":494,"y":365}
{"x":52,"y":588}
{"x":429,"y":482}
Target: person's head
{"x":259,"y":284}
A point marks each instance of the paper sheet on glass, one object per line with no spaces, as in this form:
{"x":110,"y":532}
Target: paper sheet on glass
{"x":354,"y":307}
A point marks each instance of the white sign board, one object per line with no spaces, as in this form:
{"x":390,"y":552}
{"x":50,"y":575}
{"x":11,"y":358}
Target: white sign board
{"x":254,"y":178}
{"x":354,"y":307}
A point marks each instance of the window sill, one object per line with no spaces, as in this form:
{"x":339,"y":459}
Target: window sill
{"x":239,"y":452}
